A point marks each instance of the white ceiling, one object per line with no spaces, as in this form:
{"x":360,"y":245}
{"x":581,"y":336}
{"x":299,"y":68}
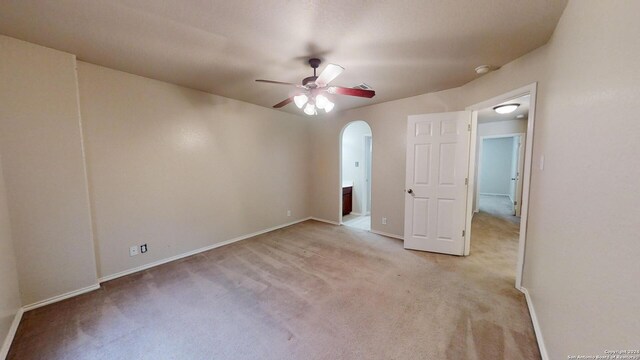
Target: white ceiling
{"x":489,"y":115}
{"x":401,"y":48}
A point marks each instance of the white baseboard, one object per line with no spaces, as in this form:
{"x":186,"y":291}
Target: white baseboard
{"x":16,"y":321}
{"x":536,"y":325}
{"x":325,"y":221}
{"x":61,"y":297}
{"x":197,"y":251}
{"x":4,"y":351}
{"x":387,"y":234}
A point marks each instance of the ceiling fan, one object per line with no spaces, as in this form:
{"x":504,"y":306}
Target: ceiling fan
{"x":312,"y":93}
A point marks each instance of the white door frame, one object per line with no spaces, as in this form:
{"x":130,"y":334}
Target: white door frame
{"x":476,"y":206}
{"x":531,"y":90}
{"x":368,"y":158}
{"x":340,"y":166}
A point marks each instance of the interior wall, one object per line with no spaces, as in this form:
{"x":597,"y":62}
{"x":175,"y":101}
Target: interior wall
{"x":9,"y":291}
{"x":583,"y":204}
{"x":496,"y":166}
{"x":516,"y":126}
{"x":44,"y":172}
{"x":353,"y":151}
{"x":180,"y":169}
{"x":582,"y":236}
{"x":586,"y":128}
{"x":388,"y":125}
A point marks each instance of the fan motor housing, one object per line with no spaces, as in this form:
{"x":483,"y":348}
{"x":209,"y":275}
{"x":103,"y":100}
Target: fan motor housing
{"x":310,"y":79}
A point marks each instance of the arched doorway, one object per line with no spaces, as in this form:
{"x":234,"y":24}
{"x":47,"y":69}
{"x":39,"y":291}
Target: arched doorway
{"x":355,"y":175}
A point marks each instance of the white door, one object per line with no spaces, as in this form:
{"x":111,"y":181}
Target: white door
{"x":520,"y":166}
{"x":436,"y":182}
{"x":514,"y":174}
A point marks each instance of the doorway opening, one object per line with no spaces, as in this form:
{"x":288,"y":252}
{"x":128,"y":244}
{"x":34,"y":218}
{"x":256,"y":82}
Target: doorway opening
{"x":501,"y":151}
{"x":500,"y":161}
{"x":356,"y":147}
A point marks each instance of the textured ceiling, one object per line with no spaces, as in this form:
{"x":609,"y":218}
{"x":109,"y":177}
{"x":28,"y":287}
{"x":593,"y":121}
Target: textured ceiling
{"x":400,"y":48}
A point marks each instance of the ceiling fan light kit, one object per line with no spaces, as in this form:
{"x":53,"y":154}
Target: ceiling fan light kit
{"x":312,"y":94}
{"x":300,"y":100}
{"x":329,"y":106}
{"x":310,"y":109}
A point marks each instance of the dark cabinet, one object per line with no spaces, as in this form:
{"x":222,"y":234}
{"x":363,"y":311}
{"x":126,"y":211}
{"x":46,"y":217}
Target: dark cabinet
{"x":347,"y":199}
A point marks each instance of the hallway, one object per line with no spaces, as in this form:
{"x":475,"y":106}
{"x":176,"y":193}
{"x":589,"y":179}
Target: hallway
{"x":499,"y":206}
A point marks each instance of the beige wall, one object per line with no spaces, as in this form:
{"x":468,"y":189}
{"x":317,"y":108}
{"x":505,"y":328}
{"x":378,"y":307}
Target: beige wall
{"x":388,"y":128}
{"x":582,"y":240}
{"x":9,"y":292}
{"x":181,"y":169}
{"x":582,"y":247}
{"x":44,"y":170}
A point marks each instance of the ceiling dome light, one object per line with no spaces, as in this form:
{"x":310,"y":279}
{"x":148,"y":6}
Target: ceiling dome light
{"x":506,"y":108}
{"x":321,"y":101}
{"x":310,"y":109}
{"x":329,"y":106}
{"x":300,"y":100}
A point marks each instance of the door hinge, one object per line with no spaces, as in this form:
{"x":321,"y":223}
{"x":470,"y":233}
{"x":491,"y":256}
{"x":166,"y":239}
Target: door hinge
{"x":515,"y":203}
{"x":468,"y":127}
{"x":466,"y":181}
{"x":463,"y":233}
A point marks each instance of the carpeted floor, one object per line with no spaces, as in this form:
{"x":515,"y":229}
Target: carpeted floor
{"x":309,"y":291}
{"x":498,"y":205}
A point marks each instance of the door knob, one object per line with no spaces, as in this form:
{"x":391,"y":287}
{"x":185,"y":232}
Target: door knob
{"x":410,"y":191}
{"x":513,"y":178}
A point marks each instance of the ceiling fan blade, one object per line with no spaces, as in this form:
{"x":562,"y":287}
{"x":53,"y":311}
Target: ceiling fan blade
{"x":329,"y":73}
{"x":351,"y":91}
{"x":283,"y":103}
{"x":280,"y":83}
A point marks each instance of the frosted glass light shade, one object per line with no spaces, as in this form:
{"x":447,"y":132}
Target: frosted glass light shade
{"x":300,"y":100}
{"x":506,"y":108}
{"x":310,"y":109}
{"x":321,"y":101}
{"x":329,"y":106}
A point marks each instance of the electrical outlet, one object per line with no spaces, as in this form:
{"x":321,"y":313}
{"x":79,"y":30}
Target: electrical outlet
{"x":384,"y":221}
{"x":133,"y":251}
{"x":143,"y":248}
{"x":288,"y":212}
